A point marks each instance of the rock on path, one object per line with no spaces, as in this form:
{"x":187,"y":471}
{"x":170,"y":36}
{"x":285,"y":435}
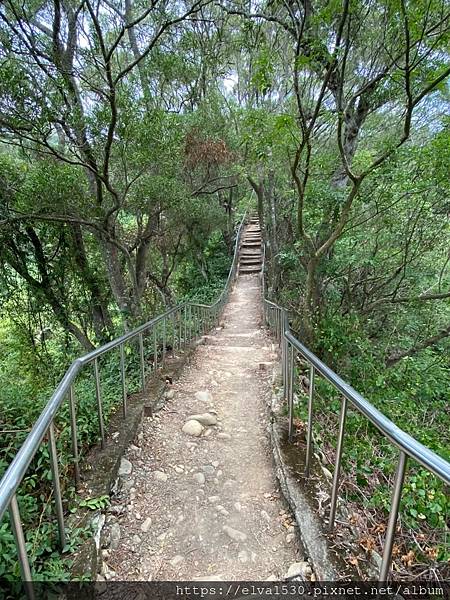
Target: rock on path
{"x":202,"y":470}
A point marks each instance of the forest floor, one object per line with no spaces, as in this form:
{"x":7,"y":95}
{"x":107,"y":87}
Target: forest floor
{"x":208,"y":506}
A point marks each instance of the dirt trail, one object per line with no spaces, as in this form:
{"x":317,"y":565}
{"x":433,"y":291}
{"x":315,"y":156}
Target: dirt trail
{"x":208,"y":507}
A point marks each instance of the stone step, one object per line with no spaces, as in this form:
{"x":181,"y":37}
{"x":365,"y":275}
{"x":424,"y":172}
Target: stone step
{"x":251,"y":244}
{"x":250,"y":261}
{"x":250,"y":269}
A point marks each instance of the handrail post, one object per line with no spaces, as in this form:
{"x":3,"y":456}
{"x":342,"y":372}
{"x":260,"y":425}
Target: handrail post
{"x":155,"y":349}
{"x":141,"y":358}
{"x":185,"y":327}
{"x":56,"y":485}
{"x":190,"y":322}
{"x":164,"y":328}
{"x":310,"y":420}
{"x":334,"y":492}
{"x":123,"y":378}
{"x":24,"y":563}
{"x":73,"y":428}
{"x":99,"y":403}
{"x":283,"y":366}
{"x":393,"y":515}
{"x":171,"y":322}
{"x":291,"y":392}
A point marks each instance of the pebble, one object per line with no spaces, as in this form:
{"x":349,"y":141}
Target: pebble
{"x":145,"y":526}
{"x":222,"y":510}
{"x":213,"y":499}
{"x":326,"y":472}
{"x":299,"y":569}
{"x":169,"y":394}
{"x":238,"y":506}
{"x":234,"y":534}
{"x":224,"y":436}
{"x":125,"y":467}
{"x":290,"y":538}
{"x":116,"y":509}
{"x":204,"y":419}
{"x":179,"y":470}
{"x":208,"y":469}
{"x":215,"y":463}
{"x":176,"y":560}
{"x":107,"y":572}
{"x":115,"y":536}
{"x":160,"y":476}
{"x":199,"y":478}
{"x":243,"y":556}
{"x":193,"y":428}
{"x":203,"y":396}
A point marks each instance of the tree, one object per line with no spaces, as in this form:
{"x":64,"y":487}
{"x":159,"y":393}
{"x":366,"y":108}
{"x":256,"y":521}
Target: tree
{"x":77,"y":89}
{"x":361,"y":76}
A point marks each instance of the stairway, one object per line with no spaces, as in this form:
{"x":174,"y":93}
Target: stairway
{"x":250,"y":256}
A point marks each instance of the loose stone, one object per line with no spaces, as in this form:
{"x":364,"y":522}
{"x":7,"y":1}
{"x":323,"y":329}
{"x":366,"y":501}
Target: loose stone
{"x":160,"y":476}
{"x":146,"y":524}
{"x":176,"y":560}
{"x":243,"y":556}
{"x":115,"y":536}
{"x":125,"y":467}
{"x":193,"y":428}
{"x":299,"y":569}
{"x":199,"y":478}
{"x":203,"y":396}
{"x":204,"y":419}
{"x":234,"y":534}
{"x":208,"y":469}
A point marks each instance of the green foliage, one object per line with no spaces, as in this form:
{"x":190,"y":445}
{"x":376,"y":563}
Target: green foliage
{"x":203,"y":280}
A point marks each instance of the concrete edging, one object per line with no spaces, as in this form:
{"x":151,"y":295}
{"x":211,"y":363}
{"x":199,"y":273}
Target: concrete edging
{"x":100,"y":470}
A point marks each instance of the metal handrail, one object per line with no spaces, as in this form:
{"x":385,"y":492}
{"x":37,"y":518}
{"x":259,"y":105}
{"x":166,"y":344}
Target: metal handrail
{"x":276,"y":318}
{"x":192,"y":320}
